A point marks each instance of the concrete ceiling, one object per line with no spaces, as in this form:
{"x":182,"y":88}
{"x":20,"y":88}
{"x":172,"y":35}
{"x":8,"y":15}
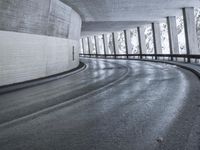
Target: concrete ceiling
{"x":113,"y":15}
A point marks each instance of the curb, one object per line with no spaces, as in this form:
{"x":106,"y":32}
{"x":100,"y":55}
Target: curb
{"x":178,"y":64}
{"x":22,"y":85}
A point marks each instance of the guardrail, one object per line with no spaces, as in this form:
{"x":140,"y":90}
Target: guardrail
{"x":171,"y":57}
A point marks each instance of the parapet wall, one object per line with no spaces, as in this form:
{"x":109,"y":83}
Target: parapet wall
{"x":38,"y":38}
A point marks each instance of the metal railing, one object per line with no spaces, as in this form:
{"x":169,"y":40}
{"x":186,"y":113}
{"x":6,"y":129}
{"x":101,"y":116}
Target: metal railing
{"x":169,"y":57}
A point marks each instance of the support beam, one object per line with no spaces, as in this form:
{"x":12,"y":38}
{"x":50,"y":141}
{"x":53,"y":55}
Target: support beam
{"x":173,"y":35}
{"x":157,"y":38}
{"x":127,"y":42}
{"x":115,"y":42}
{"x":96,"y":39}
{"x":190,"y":31}
{"x":105,"y":43}
{"x":141,"y":38}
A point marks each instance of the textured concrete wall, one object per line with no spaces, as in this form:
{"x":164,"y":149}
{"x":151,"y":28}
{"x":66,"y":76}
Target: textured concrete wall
{"x":26,"y":56}
{"x":44,"y":17}
{"x":37,"y":39}
{"x":75,"y":26}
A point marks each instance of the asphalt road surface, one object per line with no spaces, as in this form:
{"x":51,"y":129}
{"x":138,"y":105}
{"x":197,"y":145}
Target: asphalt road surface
{"x":111,"y":105}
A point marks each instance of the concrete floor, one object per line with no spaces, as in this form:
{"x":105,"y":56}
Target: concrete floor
{"x":112,"y":105}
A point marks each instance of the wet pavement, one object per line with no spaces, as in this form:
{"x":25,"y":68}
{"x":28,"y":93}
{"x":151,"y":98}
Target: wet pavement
{"x":111,"y":105}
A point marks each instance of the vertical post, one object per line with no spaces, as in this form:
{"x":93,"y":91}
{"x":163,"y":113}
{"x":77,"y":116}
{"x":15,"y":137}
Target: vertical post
{"x":73,"y":53}
{"x":96,"y":39}
{"x":105,"y":44}
{"x":142,"y":44}
{"x":90,"y":45}
{"x":114,"y":44}
{"x":89,"y":51}
{"x":157,"y":38}
{"x":127,"y":41}
{"x":190,"y":31}
{"x":83,"y":46}
{"x":173,"y":35}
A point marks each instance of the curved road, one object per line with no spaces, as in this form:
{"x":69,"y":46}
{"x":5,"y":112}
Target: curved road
{"x":111,"y":105}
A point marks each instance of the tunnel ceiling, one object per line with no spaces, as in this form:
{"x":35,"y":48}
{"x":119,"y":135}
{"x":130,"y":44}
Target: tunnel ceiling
{"x":113,"y":15}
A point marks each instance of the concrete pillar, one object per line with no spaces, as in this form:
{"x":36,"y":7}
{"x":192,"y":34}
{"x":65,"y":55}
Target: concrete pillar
{"x":141,"y":38}
{"x":173,"y":35}
{"x":115,"y":43}
{"x":127,"y":36}
{"x":105,"y":43}
{"x":96,"y":39}
{"x":190,"y":31}
{"x":89,"y":50}
{"x":91,"y":45}
{"x":110,"y":44}
{"x":157,"y":38}
{"x":83,"y":45}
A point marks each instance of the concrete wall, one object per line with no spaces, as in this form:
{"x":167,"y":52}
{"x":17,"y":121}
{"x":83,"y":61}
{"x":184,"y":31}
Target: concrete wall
{"x":37,"y":39}
{"x":44,"y":17}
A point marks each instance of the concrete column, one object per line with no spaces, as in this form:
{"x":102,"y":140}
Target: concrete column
{"x":88,"y":40}
{"x":83,"y":45}
{"x":90,"y":45}
{"x":105,"y":42}
{"x":190,"y":31}
{"x":110,"y":43}
{"x":115,"y":43}
{"x":96,"y":39}
{"x":127,"y":36}
{"x":173,"y":35}
{"x":141,"y":37}
{"x":157,"y":38}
